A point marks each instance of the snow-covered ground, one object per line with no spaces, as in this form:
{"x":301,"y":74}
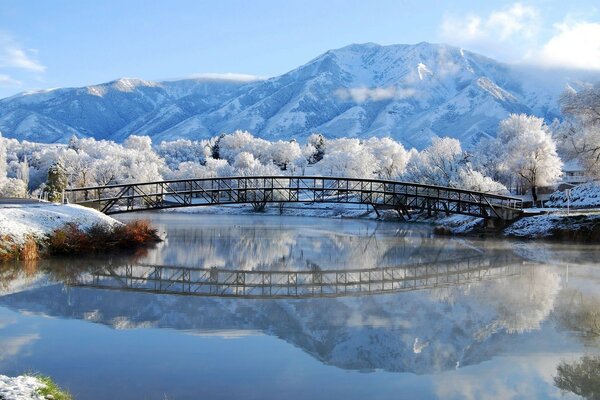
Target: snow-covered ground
{"x":582,"y":196}
{"x":546,"y":225}
{"x":20,"y":388}
{"x":19,"y":221}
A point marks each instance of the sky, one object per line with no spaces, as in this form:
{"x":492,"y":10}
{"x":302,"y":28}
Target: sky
{"x":65,"y":43}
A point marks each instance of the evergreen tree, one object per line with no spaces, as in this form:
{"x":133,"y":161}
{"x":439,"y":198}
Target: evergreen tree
{"x":215,"y":149}
{"x":318,"y":141}
{"x":57,"y":181}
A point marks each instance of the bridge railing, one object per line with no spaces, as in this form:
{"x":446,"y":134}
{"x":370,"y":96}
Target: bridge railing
{"x":233,"y":190}
{"x":297,"y":284}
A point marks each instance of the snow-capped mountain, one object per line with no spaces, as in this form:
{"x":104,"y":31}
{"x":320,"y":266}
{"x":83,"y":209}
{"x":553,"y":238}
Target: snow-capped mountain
{"x":409,"y":92}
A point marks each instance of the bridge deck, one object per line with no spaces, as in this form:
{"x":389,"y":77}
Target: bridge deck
{"x":400,"y":196}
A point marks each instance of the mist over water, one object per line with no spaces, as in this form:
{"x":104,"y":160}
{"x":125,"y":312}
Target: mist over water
{"x":459,"y":317}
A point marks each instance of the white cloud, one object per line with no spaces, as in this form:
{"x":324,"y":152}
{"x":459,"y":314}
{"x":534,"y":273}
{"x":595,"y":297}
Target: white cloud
{"x":6,"y":80}
{"x":505,"y":33}
{"x":13,"y":346}
{"x":228,"y":76}
{"x":362,"y":94}
{"x":514,"y":34}
{"x":575,"y":45}
{"x":14,"y":56}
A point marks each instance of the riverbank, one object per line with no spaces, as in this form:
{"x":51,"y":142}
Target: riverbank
{"x":28,"y":387}
{"x":579,"y":225}
{"x":558,"y":225}
{"x":36,"y":230}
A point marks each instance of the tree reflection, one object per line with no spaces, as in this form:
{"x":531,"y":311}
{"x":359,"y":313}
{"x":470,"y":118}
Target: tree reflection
{"x":580,"y":312}
{"x":581,"y":377}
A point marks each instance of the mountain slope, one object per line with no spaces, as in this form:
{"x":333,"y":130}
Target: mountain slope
{"x":409,"y":92}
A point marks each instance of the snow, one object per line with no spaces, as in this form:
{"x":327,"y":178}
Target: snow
{"x":432,"y":88}
{"x":20,"y":388}
{"x":38,"y":220}
{"x":584,"y":195}
{"x":541,"y":226}
{"x":423,"y":71}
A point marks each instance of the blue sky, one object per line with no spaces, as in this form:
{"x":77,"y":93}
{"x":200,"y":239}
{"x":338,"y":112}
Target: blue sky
{"x":45,"y":44}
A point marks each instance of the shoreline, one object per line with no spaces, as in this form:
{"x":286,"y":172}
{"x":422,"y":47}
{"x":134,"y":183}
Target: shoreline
{"x":48,"y":230}
{"x":29,"y":232}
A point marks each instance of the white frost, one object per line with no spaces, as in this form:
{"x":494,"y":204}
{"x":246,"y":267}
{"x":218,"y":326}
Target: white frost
{"x":39,"y":220}
{"x":20,"y":388}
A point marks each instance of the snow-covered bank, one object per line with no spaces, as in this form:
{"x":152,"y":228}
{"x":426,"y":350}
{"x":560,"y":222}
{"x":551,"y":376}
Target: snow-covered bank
{"x":22,"y":387}
{"x":31,"y":231}
{"x":582,"y":196}
{"x":583,"y":226}
{"x":18,"y":222}
{"x":313,"y":210}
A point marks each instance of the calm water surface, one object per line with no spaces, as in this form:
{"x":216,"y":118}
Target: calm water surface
{"x":437,"y":317}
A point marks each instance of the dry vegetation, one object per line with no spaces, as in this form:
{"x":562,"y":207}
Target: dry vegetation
{"x":71,"y":239}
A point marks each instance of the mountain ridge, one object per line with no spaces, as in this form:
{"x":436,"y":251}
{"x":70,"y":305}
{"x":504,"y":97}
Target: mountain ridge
{"x":409,"y":92}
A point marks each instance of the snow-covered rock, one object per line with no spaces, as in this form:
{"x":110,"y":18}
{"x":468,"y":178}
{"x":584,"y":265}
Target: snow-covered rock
{"x":20,"y":388}
{"x":409,"y":92}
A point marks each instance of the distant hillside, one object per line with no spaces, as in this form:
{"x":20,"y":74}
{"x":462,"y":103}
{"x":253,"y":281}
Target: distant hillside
{"x":409,"y":92}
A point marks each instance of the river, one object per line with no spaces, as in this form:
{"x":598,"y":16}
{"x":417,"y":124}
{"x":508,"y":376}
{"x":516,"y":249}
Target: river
{"x":275,"y":307}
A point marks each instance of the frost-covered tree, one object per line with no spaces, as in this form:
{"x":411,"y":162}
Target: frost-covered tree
{"x":391,"y":157}
{"x":317,"y":141}
{"x":579,"y":135}
{"x":13,"y":188}
{"x":181,"y":150}
{"x":528,"y":152}
{"x":469,"y":179}
{"x":437,"y":164}
{"x":359,"y":163}
{"x":3,"y":163}
{"x":22,"y":171}
{"x":284,"y":153}
{"x":57,"y":181}
{"x":232,"y":144}
{"x":245,"y":160}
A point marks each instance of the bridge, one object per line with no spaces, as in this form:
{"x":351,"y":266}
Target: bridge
{"x":223,"y":282}
{"x":402,"y":197}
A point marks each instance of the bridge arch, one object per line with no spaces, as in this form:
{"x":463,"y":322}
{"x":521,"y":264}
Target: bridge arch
{"x":381,"y":194}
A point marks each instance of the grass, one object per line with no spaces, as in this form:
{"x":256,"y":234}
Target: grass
{"x":51,"y":390}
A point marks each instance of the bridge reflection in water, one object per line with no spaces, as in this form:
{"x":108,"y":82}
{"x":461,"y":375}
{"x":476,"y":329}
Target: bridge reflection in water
{"x":222,"y":282}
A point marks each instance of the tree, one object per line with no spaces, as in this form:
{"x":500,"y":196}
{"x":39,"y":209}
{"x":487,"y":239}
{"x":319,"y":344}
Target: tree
{"x":318,"y":142}
{"x":215,"y":148}
{"x":57,"y":181}
{"x":438,"y":164}
{"x":580,"y":133}
{"x":2,"y":158}
{"x":528,"y":152}
{"x":283,"y":153}
{"x":391,"y":157}
{"x":581,"y":377}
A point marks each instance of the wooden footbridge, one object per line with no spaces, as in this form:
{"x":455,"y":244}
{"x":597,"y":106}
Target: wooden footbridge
{"x":223,"y":282}
{"x":403,"y":197}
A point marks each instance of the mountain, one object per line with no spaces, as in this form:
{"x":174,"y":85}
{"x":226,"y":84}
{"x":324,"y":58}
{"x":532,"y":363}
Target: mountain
{"x":409,"y":92}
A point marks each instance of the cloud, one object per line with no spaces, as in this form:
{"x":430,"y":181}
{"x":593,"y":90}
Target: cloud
{"x":13,"y":346}
{"x":228,"y":76}
{"x":6,"y":80}
{"x":362,"y":94}
{"x":575,"y":45}
{"x":13,"y":57}
{"x":506,"y":33}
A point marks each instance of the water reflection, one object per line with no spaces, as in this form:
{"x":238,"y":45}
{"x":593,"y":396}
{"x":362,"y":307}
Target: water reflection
{"x":478,"y":301}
